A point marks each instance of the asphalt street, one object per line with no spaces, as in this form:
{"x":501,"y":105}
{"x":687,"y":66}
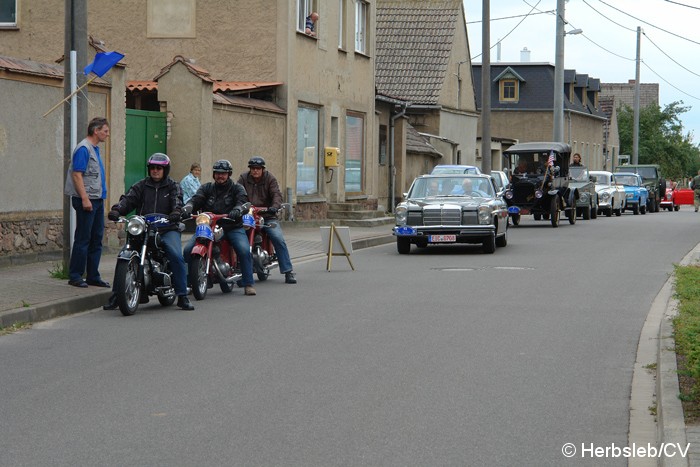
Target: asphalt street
{"x":446,"y":356}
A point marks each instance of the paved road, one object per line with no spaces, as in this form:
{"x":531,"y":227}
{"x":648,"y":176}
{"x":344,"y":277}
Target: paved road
{"x":443,"y":357}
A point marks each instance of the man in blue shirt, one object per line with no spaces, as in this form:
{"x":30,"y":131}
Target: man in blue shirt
{"x":311,"y":24}
{"x":85,"y":184}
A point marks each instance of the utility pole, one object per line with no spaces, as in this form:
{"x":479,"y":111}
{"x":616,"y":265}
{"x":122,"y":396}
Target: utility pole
{"x":637,"y":87}
{"x":75,"y":45}
{"x":486,"y":87}
{"x":558,"y":115}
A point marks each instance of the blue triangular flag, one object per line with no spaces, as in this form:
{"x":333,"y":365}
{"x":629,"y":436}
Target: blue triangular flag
{"x":103,"y":62}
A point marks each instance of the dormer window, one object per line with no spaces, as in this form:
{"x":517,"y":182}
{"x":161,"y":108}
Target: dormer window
{"x":509,"y":86}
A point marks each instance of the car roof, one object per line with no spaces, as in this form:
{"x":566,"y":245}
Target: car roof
{"x":602,"y":172}
{"x":453,"y":176}
{"x":456,"y":166}
{"x":539,"y":147}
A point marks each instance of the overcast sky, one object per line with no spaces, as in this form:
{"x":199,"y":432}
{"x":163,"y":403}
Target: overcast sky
{"x":670,"y":42}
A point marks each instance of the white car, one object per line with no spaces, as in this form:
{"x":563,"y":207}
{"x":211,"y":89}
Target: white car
{"x":611,"y":195}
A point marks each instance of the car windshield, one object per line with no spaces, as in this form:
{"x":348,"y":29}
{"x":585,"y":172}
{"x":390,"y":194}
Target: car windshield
{"x":629,"y":180}
{"x":646,"y":172}
{"x":454,"y":170}
{"x":578,"y":173}
{"x":451,"y":186}
{"x":601,"y":179}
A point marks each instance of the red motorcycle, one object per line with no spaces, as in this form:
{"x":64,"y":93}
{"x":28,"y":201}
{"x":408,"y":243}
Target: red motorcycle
{"x":213,"y":259}
{"x":264,"y":258}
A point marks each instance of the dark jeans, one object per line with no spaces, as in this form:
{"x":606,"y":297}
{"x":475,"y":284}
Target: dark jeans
{"x":172,"y":244}
{"x":239,"y":240}
{"x":281,"y":250}
{"x":87,"y":241}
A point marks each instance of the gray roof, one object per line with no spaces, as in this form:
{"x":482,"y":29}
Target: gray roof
{"x":418,"y":144}
{"x":414,"y":41}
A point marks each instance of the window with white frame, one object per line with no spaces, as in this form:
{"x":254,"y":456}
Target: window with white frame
{"x":361,"y":26}
{"x":304,"y":10}
{"x":8,"y":13}
{"x":307,"y":150}
{"x":354,"y":151}
{"x":341,"y":24}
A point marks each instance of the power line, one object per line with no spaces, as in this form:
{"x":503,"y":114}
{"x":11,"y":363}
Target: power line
{"x":608,"y":51}
{"x":509,"y":32}
{"x":669,"y":57}
{"x":667,"y":82}
{"x":606,"y":17}
{"x":512,"y":17}
{"x":683,"y":4}
{"x":649,"y":24}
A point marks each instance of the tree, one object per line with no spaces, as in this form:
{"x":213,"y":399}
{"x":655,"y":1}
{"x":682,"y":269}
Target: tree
{"x":661,"y":139}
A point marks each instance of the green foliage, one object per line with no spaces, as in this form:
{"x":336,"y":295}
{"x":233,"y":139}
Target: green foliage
{"x":661,"y":139}
{"x":687,"y":323}
{"x":13,"y":328}
{"x":59,"y":271}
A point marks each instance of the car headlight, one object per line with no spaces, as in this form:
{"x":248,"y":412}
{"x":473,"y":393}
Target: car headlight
{"x":136,"y":225}
{"x":509,"y":194}
{"x":401,"y":215}
{"x":629,"y":195}
{"x":538,"y":194}
{"x":605,"y":196}
{"x":203,"y":219}
{"x":484,"y":215}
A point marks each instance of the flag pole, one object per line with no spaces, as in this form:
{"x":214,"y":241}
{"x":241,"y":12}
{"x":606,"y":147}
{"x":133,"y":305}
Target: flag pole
{"x":70,"y":95}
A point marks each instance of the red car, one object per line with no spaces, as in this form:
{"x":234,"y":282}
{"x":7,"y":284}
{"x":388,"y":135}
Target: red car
{"x":676,"y":197}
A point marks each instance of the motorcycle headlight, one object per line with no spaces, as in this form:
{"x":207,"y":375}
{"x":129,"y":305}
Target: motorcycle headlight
{"x":538,"y":194}
{"x":401,"y":215}
{"x":484,"y":215}
{"x":136,"y":225}
{"x":203,"y":219}
{"x":509,"y":194}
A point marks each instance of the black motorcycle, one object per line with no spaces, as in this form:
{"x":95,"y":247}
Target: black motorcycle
{"x":142,"y":266}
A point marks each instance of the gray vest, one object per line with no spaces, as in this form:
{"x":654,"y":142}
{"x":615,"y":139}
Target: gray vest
{"x":92,"y":177}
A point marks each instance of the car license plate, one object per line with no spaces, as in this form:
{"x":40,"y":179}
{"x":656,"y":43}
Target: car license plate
{"x":442,"y":238}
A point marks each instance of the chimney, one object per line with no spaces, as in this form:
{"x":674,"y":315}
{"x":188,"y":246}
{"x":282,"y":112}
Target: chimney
{"x":524,"y":55}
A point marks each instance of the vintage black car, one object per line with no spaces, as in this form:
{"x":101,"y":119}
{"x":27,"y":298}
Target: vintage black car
{"x":540,"y":182}
{"x":448,"y":209}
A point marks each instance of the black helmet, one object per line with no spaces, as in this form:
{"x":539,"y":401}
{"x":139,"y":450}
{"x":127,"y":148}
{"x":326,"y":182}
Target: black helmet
{"x":256,"y":161}
{"x":161,"y":160}
{"x":223,"y":166}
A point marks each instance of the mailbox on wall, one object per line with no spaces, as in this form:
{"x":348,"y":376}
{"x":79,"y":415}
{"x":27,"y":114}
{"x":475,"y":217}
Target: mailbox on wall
{"x":331,"y":157}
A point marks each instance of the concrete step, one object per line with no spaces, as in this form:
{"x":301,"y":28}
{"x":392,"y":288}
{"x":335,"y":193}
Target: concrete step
{"x":374,"y":222}
{"x":333,"y":214}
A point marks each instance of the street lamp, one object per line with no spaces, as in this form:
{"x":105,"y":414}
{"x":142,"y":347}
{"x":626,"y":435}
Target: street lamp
{"x":558,"y":116}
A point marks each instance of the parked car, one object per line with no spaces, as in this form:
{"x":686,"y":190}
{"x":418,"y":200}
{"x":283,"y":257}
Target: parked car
{"x":587,"y":201}
{"x":611,"y":195}
{"x":667,"y":199}
{"x":540,"y":182}
{"x":683,"y":196}
{"x":438,"y":210}
{"x":455,"y":169}
{"x":636,"y":195}
{"x":652,"y":179}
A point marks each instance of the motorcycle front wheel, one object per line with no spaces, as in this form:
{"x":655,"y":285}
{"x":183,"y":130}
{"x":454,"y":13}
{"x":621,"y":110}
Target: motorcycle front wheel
{"x":126,"y":286}
{"x":262,"y":272}
{"x":198,"y":276}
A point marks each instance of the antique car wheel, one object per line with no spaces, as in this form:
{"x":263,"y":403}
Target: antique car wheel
{"x":403,"y":246}
{"x":635,"y":209}
{"x":571,"y":214}
{"x":609,"y":212}
{"x":537,"y":216}
{"x":503,"y":239}
{"x":594,"y":211}
{"x":545,"y":216}
{"x":586,"y":213}
{"x":554,"y":211}
{"x":489,"y":244}
{"x":515,"y":218}
{"x":676,"y":208}
{"x":643,"y":209}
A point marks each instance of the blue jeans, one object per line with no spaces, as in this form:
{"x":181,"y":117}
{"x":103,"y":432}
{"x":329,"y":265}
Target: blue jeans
{"x":239,"y":240}
{"x":172,"y":244}
{"x":281,"y":250}
{"x":87,"y":241}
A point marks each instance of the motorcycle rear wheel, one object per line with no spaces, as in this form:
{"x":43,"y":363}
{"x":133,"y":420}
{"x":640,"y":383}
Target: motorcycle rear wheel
{"x":126,"y":286}
{"x":198,"y":277}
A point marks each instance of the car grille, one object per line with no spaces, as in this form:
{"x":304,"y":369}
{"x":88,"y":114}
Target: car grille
{"x":523,"y":194}
{"x":442,"y":216}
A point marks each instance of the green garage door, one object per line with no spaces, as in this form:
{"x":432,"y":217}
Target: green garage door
{"x":145,"y":134}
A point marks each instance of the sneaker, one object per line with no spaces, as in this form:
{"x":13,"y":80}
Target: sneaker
{"x":111,"y":303}
{"x":290,"y":278}
{"x":184,"y":303}
{"x":249,"y":290}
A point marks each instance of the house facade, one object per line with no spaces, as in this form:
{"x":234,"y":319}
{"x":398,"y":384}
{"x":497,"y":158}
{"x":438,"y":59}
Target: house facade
{"x":522,"y":107}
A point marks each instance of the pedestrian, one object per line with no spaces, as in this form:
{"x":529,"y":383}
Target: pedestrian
{"x":577,"y":160}
{"x":310,"y":28}
{"x":264,"y":191}
{"x":158,"y":193}
{"x":190,"y":183}
{"x":695,"y":185}
{"x":224,"y":196}
{"x":87,"y":188}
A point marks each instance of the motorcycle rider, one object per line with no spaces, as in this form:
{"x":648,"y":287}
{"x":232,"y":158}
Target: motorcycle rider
{"x":224,"y":196}
{"x":264,"y":191}
{"x":158,"y":193}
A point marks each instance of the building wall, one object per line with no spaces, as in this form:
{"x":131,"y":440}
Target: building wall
{"x":590,"y":139}
{"x":624,"y":93}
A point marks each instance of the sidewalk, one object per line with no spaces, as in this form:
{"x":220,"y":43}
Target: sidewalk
{"x":28,"y":293}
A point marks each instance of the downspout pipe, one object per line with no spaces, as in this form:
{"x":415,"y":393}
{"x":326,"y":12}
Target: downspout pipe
{"x":392,"y":161}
